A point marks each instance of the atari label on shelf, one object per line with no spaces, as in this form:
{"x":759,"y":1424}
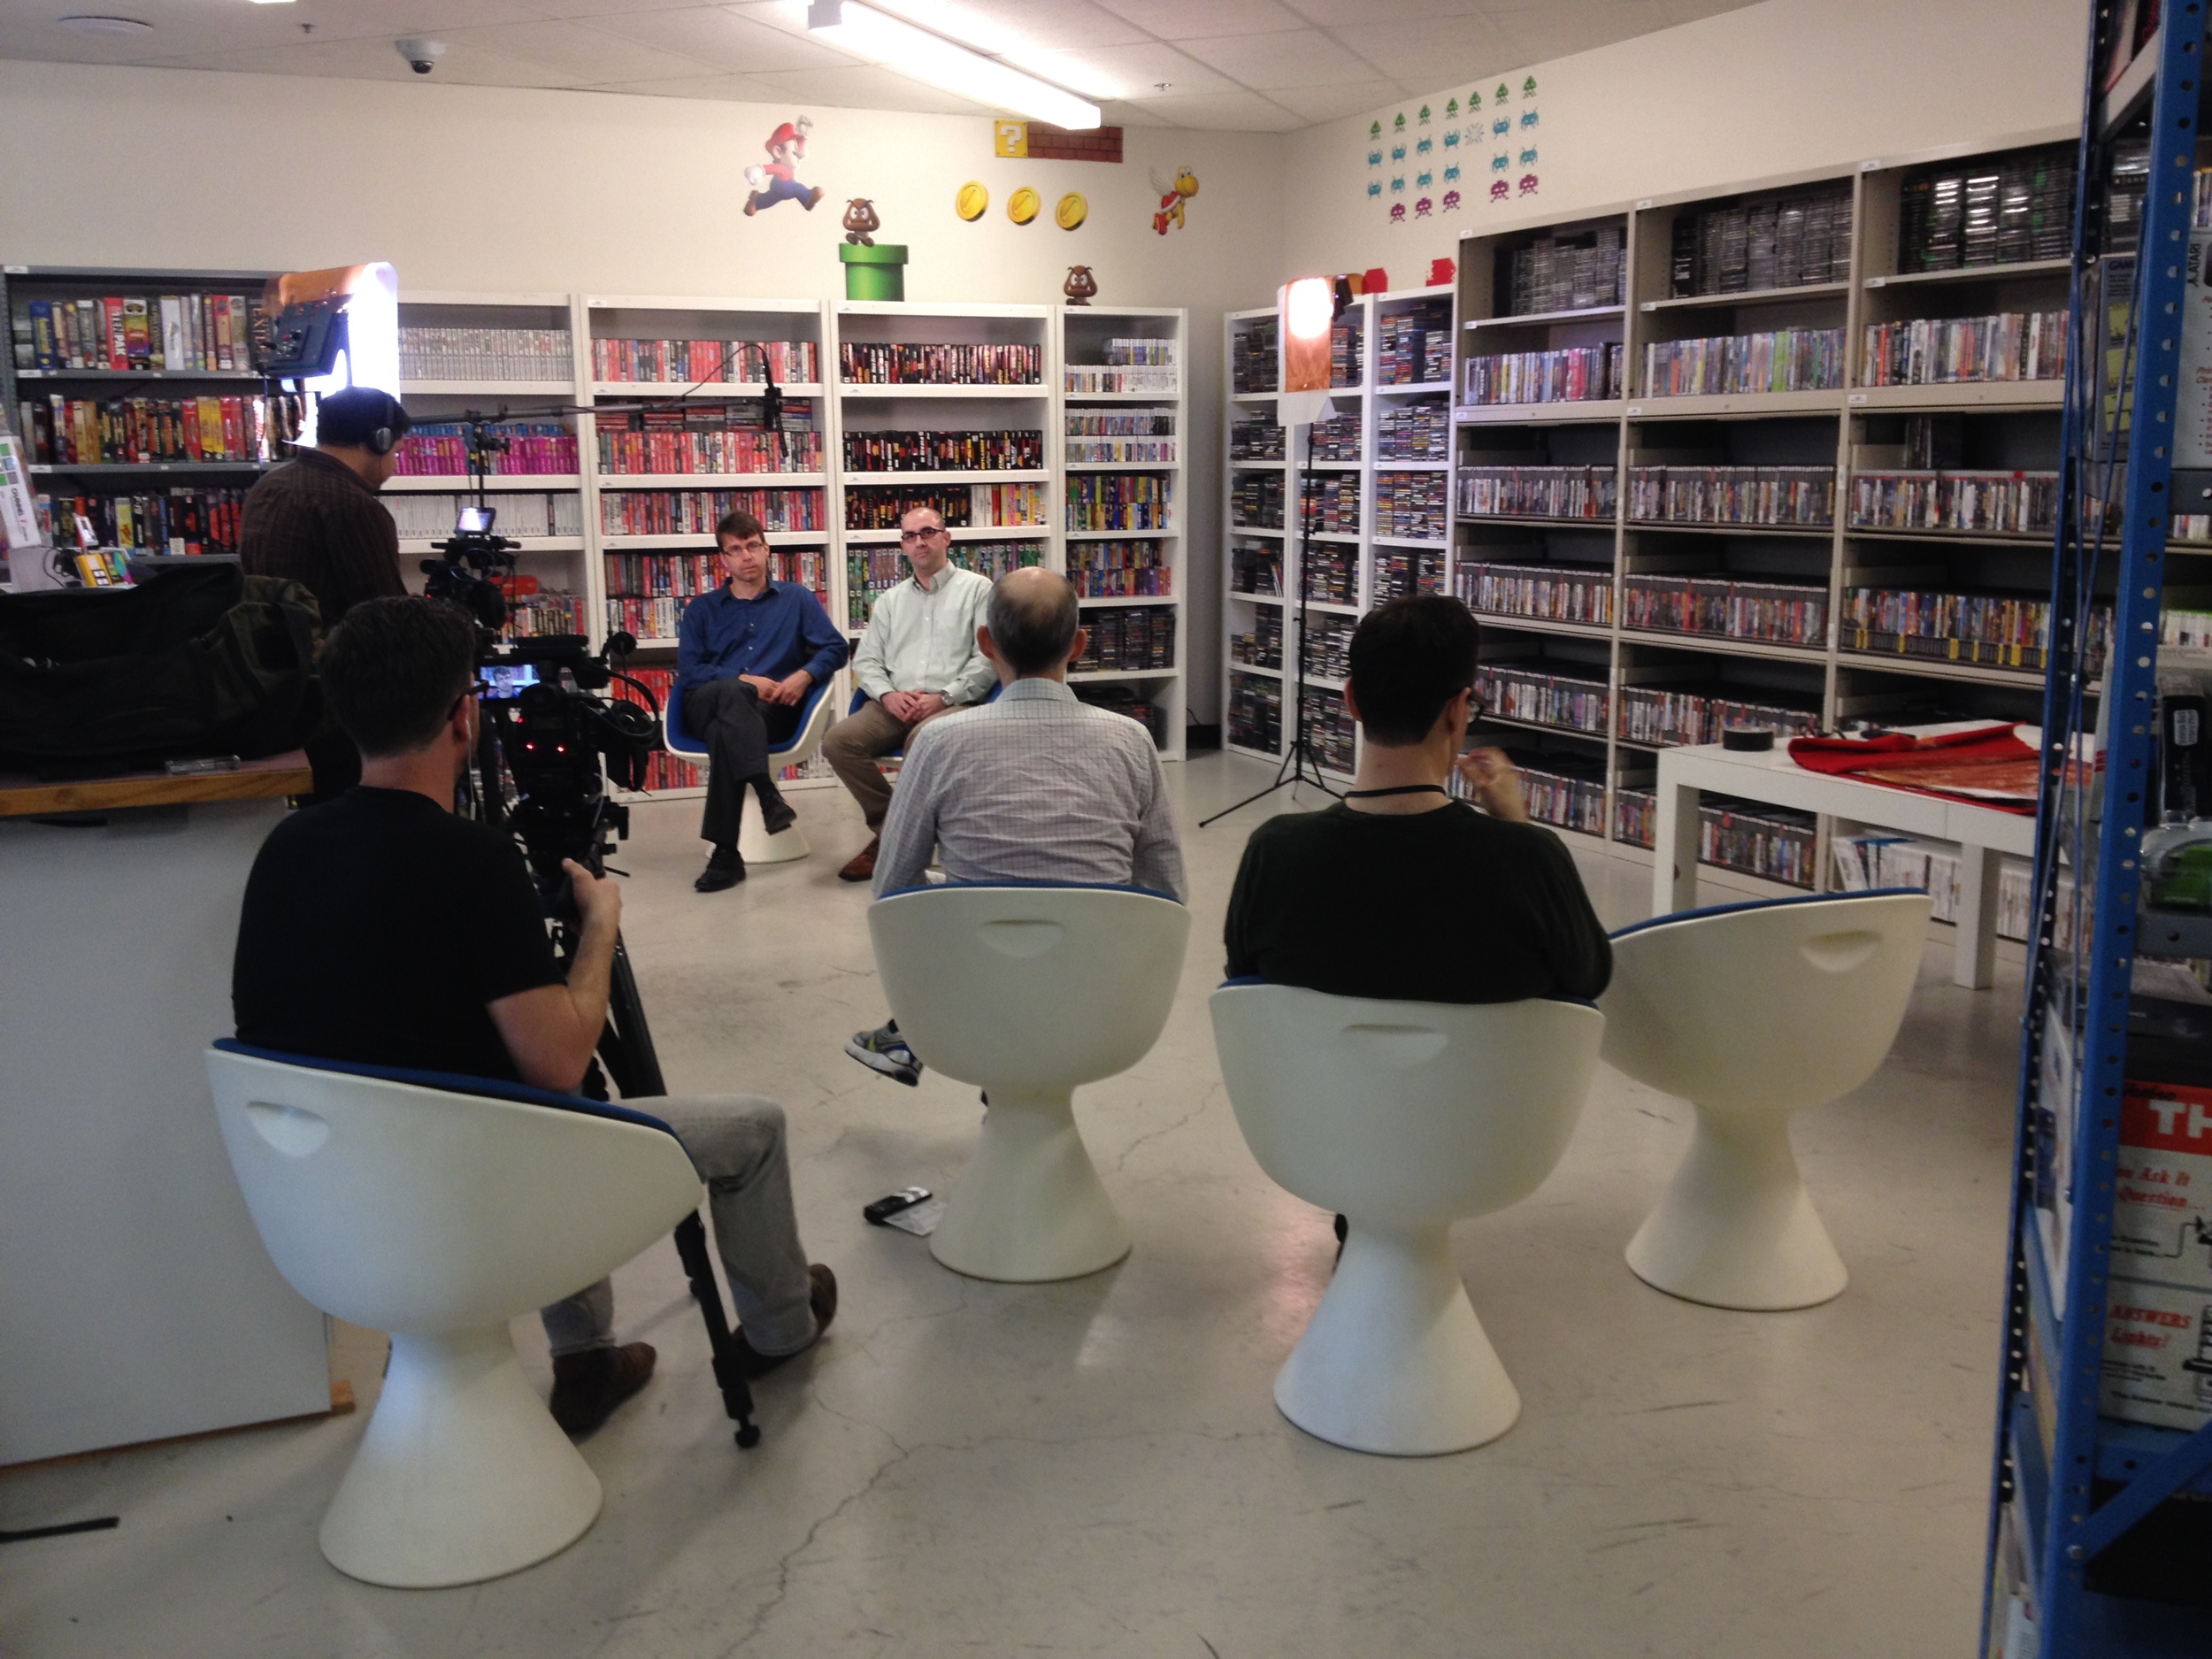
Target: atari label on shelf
{"x":2158,"y":1356}
{"x":2162,"y":1215}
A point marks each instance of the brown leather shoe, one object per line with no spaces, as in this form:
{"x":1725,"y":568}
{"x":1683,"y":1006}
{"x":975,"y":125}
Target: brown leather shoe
{"x":862,"y":865}
{"x":821,"y":1296}
{"x":587,"y":1387}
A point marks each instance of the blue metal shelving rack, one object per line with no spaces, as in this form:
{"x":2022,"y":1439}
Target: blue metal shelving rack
{"x":2070,"y":1483}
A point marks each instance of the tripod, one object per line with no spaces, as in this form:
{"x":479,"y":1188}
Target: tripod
{"x":626,"y":1055}
{"x":1300,"y":765}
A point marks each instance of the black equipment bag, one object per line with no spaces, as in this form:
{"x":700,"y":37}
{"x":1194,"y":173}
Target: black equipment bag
{"x":199,"y":660}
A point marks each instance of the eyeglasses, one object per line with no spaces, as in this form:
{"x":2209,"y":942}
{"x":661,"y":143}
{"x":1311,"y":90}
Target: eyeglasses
{"x":477,"y":689}
{"x":924,"y":533}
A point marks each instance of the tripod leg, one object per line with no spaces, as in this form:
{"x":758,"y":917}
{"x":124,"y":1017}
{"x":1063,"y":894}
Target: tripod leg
{"x":626,"y":1045}
{"x":737,"y":1394}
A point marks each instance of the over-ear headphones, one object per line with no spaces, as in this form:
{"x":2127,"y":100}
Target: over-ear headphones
{"x":379,"y":441}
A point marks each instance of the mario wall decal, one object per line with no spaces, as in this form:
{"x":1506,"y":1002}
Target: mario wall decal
{"x":777,"y":180}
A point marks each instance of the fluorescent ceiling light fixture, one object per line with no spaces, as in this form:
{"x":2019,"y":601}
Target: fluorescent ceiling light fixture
{"x":107,"y":25}
{"x":907,"y":50}
{"x":986,"y":34}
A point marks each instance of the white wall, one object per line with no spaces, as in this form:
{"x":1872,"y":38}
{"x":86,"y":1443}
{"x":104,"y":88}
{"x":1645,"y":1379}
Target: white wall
{"x":503,"y":189}
{"x":498,"y":189}
{"x":1784,"y":87}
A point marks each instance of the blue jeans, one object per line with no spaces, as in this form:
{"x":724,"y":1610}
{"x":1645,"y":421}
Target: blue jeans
{"x":779,"y":189}
{"x":736,"y":1143}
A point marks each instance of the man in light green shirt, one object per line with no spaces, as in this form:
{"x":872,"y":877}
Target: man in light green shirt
{"x":918,"y":660}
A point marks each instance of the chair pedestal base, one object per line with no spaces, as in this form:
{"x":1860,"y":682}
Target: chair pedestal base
{"x":463,"y":1475}
{"x":1029,"y":1206}
{"x":1395,"y":1360}
{"x":756,"y":846}
{"x":1736,"y":1228}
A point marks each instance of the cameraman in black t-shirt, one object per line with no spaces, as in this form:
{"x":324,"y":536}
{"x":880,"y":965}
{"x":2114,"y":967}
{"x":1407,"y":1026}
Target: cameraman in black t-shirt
{"x":1401,"y":891}
{"x":382,"y":928}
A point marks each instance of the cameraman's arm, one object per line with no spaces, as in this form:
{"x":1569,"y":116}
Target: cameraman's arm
{"x":552,"y":1031}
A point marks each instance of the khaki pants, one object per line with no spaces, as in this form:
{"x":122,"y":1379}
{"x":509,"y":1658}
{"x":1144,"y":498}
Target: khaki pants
{"x":852,"y":746}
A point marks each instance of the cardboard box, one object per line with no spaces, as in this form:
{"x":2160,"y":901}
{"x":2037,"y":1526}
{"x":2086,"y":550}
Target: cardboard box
{"x":2157,"y":1354}
{"x":2161,"y":1212}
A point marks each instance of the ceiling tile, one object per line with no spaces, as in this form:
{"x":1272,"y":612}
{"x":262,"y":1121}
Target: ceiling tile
{"x":1432,"y":57}
{"x":600,"y":8}
{"x":1137,"y":71}
{"x":1347,"y":97}
{"x":1226,"y":111}
{"x":1360,"y":13}
{"x":574,"y":53}
{"x":1116,"y":113}
{"x":369,"y":59}
{"x":1203,"y":63}
{"x":1295,"y":57}
{"x":1192,"y":19}
{"x":1039,"y":25}
{"x":722,"y":39}
{"x":866,"y":87}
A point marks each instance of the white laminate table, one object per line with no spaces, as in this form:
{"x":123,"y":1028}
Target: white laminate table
{"x":136,"y":1301}
{"x":1775,"y":779}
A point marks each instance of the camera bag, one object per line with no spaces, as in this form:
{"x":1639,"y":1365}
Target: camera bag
{"x":198,"y":660}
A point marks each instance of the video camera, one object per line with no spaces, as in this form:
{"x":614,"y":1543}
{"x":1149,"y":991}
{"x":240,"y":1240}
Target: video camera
{"x":554,"y":734}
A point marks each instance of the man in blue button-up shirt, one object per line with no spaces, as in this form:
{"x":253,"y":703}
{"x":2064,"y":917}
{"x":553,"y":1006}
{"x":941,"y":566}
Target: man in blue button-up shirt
{"x":747,"y":656}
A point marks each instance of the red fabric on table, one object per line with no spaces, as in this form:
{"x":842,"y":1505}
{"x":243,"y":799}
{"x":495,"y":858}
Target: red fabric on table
{"x":1952,"y":765}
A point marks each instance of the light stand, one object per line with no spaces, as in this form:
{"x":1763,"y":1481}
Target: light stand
{"x":1299,"y":764}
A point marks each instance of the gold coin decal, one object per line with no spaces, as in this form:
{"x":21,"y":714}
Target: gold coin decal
{"x":1022,"y":205}
{"x":972,"y":199}
{"x":1072,"y":210}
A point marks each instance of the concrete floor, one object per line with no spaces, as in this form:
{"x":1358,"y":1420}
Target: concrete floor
{"x":1098,"y":1467}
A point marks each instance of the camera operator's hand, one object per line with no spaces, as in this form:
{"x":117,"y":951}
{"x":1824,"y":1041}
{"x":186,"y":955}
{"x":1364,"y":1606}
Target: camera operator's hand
{"x":598,"y":900}
{"x":1497,"y":786}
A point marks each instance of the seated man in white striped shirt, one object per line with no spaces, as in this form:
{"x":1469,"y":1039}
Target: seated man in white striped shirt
{"x":1034,"y":788}
{"x":918,"y":660}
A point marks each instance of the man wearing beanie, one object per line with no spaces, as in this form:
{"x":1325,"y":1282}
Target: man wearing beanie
{"x":315,"y":518}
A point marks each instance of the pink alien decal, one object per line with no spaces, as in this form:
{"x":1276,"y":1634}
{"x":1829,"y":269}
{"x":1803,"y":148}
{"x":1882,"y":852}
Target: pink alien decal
{"x":1421,"y":208}
{"x":1451,"y":201}
{"x":1397,"y":212}
{"x":1528,"y":184}
{"x":1500,"y":191}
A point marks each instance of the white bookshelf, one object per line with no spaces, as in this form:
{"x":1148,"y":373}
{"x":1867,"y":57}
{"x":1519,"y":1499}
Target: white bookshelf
{"x":869,"y":406}
{"x":1083,"y":334}
{"x":512,"y":355}
{"x":1244,"y":608}
{"x":612,"y":316}
{"x":2003,"y":425}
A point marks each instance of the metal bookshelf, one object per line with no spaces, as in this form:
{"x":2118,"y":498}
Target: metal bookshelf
{"x":2097,"y":1527}
{"x":1853,"y":427}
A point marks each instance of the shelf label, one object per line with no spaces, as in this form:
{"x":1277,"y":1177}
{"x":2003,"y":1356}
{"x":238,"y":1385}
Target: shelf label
{"x":1856,"y":397}
{"x":1635,"y":408}
{"x":1650,"y":305}
{"x":1869,"y":166}
{"x":15,"y":270}
{"x":1644,"y":206}
{"x":1877,"y":281}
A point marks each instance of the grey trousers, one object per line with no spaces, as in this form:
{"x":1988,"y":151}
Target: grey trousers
{"x":736,"y":1143}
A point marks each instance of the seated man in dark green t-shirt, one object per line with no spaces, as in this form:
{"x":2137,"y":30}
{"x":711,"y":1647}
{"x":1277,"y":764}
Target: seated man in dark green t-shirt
{"x":1402,"y":891}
